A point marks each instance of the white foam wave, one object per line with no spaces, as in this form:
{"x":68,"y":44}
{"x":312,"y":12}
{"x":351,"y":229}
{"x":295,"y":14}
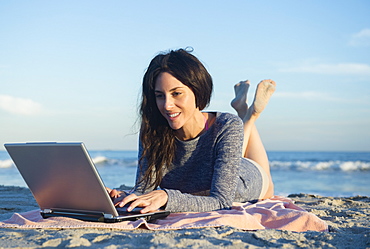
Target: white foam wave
{"x":350,"y":166}
{"x":319,"y":166}
{"x":6,"y":163}
{"x":99,"y":159}
{"x":102,"y":160}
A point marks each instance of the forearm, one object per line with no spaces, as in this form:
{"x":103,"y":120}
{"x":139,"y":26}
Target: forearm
{"x":183,"y":202}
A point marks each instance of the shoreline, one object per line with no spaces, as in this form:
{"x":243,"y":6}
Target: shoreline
{"x":347,"y":217}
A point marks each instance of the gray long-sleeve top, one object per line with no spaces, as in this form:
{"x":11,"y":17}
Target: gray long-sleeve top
{"x":206,"y":170}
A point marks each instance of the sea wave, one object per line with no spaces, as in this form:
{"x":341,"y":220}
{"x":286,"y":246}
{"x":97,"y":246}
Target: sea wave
{"x":334,"y":165}
{"x":299,"y":165}
{"x":106,"y":161}
{"x":98,"y":161}
{"x":321,"y":166}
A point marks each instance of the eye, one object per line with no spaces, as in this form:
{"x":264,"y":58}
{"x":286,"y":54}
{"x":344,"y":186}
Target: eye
{"x":158,"y":95}
{"x":175,"y":94}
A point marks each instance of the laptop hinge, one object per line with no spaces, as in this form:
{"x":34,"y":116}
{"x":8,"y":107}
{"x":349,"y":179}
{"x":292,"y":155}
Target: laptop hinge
{"x":77,"y":214}
{"x":47,"y":211}
{"x":108,"y":216}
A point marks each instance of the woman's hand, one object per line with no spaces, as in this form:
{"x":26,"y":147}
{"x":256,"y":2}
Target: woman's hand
{"x":116,"y":195}
{"x":149,"y":202}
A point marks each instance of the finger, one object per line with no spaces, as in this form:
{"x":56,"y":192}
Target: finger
{"x":114,"y":193}
{"x":148,"y":209}
{"x":127,"y":199}
{"x":108,"y":190}
{"x":140,"y":202}
{"x":119,"y":198}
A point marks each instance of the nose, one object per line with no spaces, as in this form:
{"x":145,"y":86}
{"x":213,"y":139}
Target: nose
{"x":168,"y":103}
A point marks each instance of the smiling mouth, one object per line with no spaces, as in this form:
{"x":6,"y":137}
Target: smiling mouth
{"x":173,"y":115}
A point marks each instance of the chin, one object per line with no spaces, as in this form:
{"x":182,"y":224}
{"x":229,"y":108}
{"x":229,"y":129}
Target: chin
{"x":174,"y":127}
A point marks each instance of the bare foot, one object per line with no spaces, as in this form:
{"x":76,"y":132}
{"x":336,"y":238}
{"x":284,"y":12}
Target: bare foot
{"x":239,"y":103}
{"x":263,"y":93}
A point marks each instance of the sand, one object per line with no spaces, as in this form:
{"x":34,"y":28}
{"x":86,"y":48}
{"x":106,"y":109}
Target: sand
{"x":347,"y":217}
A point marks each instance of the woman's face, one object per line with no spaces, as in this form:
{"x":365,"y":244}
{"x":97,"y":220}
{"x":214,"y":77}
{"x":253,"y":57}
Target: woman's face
{"x":175,"y":101}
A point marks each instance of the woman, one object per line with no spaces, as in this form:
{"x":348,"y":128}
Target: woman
{"x":191,"y":160}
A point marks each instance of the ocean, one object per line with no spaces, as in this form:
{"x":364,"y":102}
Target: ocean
{"x":322,"y":173}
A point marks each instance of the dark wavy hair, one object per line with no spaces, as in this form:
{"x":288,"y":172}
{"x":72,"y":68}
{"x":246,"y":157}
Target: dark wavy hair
{"x":157,"y":137}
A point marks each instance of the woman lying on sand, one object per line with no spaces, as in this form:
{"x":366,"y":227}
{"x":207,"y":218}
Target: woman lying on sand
{"x":191,"y":160}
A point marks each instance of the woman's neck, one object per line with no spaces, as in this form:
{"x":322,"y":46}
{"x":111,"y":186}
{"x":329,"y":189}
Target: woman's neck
{"x":194,"y":127}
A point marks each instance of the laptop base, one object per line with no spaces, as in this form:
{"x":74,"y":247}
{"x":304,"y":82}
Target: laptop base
{"x":101,"y":217}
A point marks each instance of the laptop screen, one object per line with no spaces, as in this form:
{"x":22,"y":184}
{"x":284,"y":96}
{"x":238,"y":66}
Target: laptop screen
{"x":61,"y":176}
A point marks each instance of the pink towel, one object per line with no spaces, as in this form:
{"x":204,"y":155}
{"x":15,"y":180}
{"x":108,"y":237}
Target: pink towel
{"x":275,"y":213}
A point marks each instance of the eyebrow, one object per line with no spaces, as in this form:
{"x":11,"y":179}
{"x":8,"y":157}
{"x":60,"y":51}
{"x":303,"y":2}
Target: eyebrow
{"x":171,"y":90}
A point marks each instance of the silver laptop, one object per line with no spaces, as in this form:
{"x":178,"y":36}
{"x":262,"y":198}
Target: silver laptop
{"x":65,"y":182}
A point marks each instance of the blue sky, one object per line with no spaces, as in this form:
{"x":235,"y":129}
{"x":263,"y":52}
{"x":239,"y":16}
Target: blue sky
{"x":71,"y":70}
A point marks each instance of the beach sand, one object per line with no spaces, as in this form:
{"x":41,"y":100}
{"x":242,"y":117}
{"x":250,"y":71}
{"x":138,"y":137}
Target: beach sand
{"x":348,"y":220}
